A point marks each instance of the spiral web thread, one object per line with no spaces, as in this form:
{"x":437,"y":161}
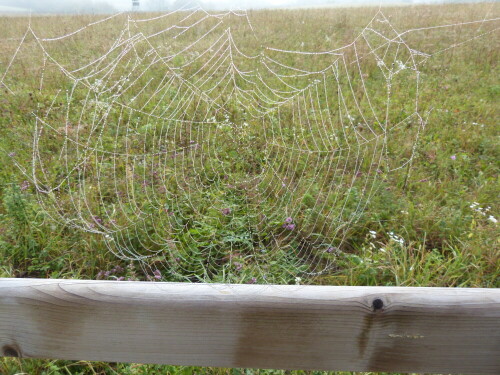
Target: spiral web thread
{"x":287,"y":147}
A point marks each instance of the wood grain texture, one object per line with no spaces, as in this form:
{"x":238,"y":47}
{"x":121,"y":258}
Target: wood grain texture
{"x":443,"y":330}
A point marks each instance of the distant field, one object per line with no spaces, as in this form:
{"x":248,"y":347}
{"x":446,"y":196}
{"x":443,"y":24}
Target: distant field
{"x":369,"y":158}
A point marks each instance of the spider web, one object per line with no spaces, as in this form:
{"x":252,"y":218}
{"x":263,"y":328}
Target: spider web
{"x":174,"y":130}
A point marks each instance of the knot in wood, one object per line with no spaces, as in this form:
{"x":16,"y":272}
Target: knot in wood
{"x":377,"y":304}
{"x":9,"y":351}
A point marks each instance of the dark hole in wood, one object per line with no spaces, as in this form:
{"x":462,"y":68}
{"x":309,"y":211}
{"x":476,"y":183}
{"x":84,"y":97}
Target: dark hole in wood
{"x":9,"y":351}
{"x":377,"y":304}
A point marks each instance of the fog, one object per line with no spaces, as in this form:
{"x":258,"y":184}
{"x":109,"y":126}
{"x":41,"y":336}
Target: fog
{"x":110,"y":6}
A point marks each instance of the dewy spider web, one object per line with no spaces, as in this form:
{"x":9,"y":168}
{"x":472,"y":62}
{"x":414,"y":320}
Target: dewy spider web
{"x":174,"y":131}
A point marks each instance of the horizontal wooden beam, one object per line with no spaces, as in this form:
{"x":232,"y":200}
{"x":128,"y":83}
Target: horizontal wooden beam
{"x":447,"y":330}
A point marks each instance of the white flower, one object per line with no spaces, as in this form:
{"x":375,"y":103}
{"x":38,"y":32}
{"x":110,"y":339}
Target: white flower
{"x":398,"y":239}
{"x":298,"y":280}
{"x":492,"y":219}
{"x":480,"y":210}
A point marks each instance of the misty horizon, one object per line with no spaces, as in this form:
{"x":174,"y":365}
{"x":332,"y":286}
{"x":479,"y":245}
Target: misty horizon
{"x":111,"y":6}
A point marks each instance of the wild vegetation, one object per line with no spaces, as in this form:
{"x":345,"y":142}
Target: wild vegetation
{"x":431,"y":223}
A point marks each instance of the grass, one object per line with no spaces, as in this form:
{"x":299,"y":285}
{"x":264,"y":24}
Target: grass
{"x":430,"y":225}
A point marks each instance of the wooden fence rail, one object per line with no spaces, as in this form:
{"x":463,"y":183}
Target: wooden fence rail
{"x":447,"y":330}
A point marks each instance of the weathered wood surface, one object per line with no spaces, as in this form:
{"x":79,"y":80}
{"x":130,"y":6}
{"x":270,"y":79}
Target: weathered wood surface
{"x":445,"y":330}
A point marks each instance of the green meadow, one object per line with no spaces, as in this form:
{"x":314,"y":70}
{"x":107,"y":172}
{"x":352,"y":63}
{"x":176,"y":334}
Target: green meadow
{"x":92,"y":188}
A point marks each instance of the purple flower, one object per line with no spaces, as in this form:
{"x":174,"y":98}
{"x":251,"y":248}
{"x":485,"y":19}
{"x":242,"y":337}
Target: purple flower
{"x":225,"y":211}
{"x":107,"y":273}
{"x":100,"y":275}
{"x":157,"y":275}
{"x":253,"y":280}
{"x":238,"y":266}
{"x":25,"y":185}
{"x":288,"y":220}
{"x":453,"y":157}
{"x":120,"y":278}
{"x":289,"y":226}
{"x":330,"y":250}
{"x":12,"y":154}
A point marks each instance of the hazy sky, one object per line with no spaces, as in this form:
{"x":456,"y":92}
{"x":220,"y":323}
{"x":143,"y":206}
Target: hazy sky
{"x":76,"y":6}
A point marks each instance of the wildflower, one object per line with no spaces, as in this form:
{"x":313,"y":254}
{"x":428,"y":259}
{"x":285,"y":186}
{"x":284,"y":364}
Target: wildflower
{"x":253,"y":280}
{"x":225,"y":211}
{"x":12,"y":154}
{"x":288,"y":220}
{"x":121,"y":278}
{"x":330,"y":250}
{"x":492,"y":219}
{"x":398,"y":239}
{"x":373,"y":234}
{"x":453,"y":157}
{"x":100,"y":275}
{"x":238,"y":266}
{"x":157,"y":274}
{"x":289,"y":226}
{"x":25,"y":185}
{"x":480,"y":210}
{"x":298,"y":280}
